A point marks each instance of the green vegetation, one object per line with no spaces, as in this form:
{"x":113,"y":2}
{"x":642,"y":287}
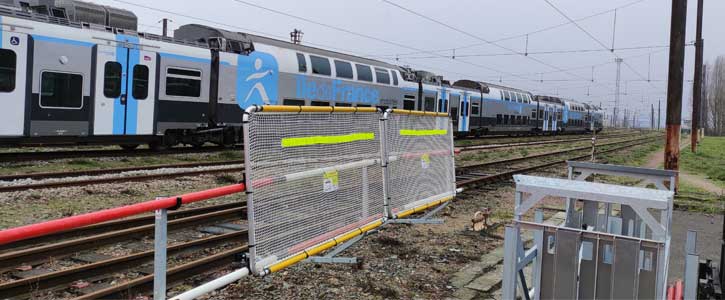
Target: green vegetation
{"x":90,"y":163}
{"x":636,"y":156}
{"x":708,"y":161}
{"x":692,"y":198}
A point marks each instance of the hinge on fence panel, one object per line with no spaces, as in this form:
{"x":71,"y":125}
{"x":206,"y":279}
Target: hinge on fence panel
{"x":177,"y":206}
{"x":242,"y":258}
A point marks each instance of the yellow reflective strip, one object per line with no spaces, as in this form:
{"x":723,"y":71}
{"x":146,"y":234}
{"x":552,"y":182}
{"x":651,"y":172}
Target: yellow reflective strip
{"x":422,"y":132}
{"x":326,"y":139}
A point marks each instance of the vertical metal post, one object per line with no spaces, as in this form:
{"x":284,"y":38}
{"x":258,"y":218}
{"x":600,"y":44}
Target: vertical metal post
{"x":387,"y":212}
{"x":652,"y":118}
{"x":510,"y":260}
{"x":160,"y":254}
{"x":697,"y":85}
{"x":616,"y":95}
{"x":691,"y":277}
{"x":251,"y":235}
{"x":539,"y":242}
{"x":674,"y":87}
{"x":365,"y":198}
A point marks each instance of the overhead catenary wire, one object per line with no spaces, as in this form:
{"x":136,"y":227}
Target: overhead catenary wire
{"x":517,"y":36}
{"x":475,"y":37}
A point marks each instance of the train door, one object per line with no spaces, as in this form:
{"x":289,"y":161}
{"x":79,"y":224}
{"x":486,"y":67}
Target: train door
{"x":554,"y":117}
{"x":442,"y":101}
{"x":13,"y":68}
{"x":546,"y":124}
{"x":463,"y":103}
{"x":125,"y":90}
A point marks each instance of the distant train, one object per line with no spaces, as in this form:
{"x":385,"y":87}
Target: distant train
{"x":74,"y":72}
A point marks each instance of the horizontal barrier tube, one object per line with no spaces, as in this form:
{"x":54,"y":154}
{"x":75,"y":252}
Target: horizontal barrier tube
{"x":213,"y":285}
{"x":321,"y":109}
{"x":419,"y":113}
{"x":44,"y":228}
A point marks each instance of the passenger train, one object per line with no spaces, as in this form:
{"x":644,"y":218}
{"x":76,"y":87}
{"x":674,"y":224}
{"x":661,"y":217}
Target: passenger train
{"x":81,"y":73}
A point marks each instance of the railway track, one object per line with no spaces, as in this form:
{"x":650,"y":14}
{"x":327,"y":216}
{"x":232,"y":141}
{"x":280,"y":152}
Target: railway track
{"x":535,"y":143}
{"x":227,"y":246}
{"x":224,"y":167}
{"x":64,"y":154}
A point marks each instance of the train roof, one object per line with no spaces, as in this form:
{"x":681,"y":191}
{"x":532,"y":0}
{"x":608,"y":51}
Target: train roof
{"x":484,"y":86}
{"x":198,"y":32}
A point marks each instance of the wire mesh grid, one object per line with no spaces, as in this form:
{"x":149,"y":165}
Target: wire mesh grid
{"x":315,"y":175}
{"x":421,"y":166}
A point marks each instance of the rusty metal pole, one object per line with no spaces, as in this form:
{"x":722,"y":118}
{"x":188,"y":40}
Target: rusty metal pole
{"x":674,"y":85}
{"x":165,"y":27}
{"x":697,"y":85}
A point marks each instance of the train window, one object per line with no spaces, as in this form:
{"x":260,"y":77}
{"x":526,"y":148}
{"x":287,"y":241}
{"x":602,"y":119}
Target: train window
{"x":394,"y":74}
{"x":183,"y":82}
{"x":519,"y":120}
{"x":363,"y":105}
{"x":301,"y":63}
{"x":294,"y":102}
{"x":112,"y":79}
{"x":140,"y":82}
{"x":61,"y":90}
{"x":541,"y":113}
{"x":409,"y":104}
{"x":320,"y":65}
{"x":382,"y":76}
{"x":343,"y":69}
{"x":533,"y":114}
{"x":475,"y":108}
{"x":364,"y":73}
{"x":506,"y":119}
{"x":319,"y":103}
{"x":518,"y":97}
{"x":8,"y":62}
{"x":430,"y":104}
{"x":343,"y":104}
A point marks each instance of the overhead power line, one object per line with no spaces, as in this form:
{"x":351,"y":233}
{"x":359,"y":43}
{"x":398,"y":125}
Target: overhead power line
{"x":524,"y":35}
{"x":593,"y":37}
{"x":478,"y":38}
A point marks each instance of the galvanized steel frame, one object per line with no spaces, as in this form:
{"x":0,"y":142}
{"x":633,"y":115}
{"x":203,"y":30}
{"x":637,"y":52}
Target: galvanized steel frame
{"x":531,"y":190}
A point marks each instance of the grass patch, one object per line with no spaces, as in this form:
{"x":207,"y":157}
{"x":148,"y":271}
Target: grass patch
{"x":709,"y":160}
{"x":635,"y":156}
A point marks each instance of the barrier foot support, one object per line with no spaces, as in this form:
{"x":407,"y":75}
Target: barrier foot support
{"x":331,"y":257}
{"x":425,"y":219}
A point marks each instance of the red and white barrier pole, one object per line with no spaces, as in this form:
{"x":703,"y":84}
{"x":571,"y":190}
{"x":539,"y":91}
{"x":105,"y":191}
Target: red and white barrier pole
{"x":44,"y":228}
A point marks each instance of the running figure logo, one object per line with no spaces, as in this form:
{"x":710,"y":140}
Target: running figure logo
{"x":257,"y":80}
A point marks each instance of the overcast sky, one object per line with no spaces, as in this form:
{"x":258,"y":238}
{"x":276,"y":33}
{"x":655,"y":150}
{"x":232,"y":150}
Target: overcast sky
{"x":380,"y":29}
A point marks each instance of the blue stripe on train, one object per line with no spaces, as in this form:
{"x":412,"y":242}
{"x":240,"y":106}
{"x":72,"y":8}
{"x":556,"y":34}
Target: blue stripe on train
{"x":1,"y":33}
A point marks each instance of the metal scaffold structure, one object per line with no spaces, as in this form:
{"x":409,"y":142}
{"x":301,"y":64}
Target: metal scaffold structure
{"x":596,"y":253}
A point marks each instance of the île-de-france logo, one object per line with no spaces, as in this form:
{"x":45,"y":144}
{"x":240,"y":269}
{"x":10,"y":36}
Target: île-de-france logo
{"x":257,"y":78}
{"x":14,"y":40}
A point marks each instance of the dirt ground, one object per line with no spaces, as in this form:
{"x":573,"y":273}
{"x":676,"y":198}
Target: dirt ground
{"x":709,"y":235}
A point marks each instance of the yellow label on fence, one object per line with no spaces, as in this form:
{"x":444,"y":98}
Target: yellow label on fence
{"x":331,"y":181}
{"x":422,"y":132}
{"x":326,"y":139}
{"x":425,"y":161}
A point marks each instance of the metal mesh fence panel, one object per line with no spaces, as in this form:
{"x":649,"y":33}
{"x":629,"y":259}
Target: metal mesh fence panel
{"x":420,"y":166}
{"x":314,"y":176}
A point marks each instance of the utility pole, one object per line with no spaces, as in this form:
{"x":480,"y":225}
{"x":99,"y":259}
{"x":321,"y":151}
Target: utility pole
{"x":659,"y":114}
{"x":165,"y":27}
{"x":652,"y":118}
{"x":697,"y":85}
{"x":616,"y":95}
{"x":674,"y":86}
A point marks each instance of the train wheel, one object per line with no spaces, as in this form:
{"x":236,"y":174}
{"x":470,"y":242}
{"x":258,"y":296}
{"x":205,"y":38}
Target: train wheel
{"x":129,"y":147}
{"x":158,"y":146}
